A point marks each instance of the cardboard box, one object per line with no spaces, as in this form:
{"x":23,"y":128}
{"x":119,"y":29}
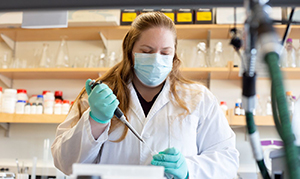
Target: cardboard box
{"x":226,"y":15}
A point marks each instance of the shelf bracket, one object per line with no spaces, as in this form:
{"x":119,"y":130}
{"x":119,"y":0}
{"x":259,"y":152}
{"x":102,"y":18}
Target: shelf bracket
{"x":6,"y":127}
{"x":11,"y":43}
{"x":7,"y":81}
{"x":104,"y":40}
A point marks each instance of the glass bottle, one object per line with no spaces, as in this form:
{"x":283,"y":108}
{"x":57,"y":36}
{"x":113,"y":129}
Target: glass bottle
{"x":218,"y":60}
{"x":298,"y":56}
{"x":290,"y":53}
{"x":5,"y":61}
{"x":201,"y":55}
{"x":62,"y":57}
{"x":45,"y":60}
{"x":269,"y":107}
{"x":290,"y":102}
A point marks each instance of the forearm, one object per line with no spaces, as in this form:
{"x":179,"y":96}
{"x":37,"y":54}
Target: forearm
{"x":97,"y":128}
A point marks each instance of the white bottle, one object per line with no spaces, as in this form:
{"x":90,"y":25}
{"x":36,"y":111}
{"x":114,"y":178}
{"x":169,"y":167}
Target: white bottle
{"x":298,"y":56}
{"x":0,"y":99}
{"x":258,"y":107}
{"x":218,"y":60}
{"x":57,"y":107}
{"x":9,"y":100}
{"x":296,"y":123}
{"x":224,"y":107}
{"x":20,"y":107}
{"x":65,"y":107}
{"x":290,"y":53}
{"x":39,"y":108}
{"x":269,"y":107}
{"x":201,"y":59}
{"x":237,"y":109}
{"x":22,"y":94}
{"x":48,"y":103}
{"x":290,"y":102}
{"x":27,"y":108}
{"x":33,"y":108}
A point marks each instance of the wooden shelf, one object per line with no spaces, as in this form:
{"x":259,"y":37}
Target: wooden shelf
{"x":31,"y":118}
{"x":259,"y":121}
{"x":85,"y":73}
{"x":193,"y":31}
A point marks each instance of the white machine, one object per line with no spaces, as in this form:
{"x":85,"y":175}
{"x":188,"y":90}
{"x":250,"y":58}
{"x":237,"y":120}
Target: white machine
{"x":99,"y":171}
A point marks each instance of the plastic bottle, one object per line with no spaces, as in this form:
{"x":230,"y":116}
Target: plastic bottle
{"x":0,"y":99}
{"x":258,"y":107}
{"x":290,"y":53}
{"x":269,"y":107}
{"x":40,"y":99}
{"x":22,"y":94}
{"x":48,"y":103}
{"x":218,"y":60}
{"x":9,"y":99}
{"x":65,"y":107}
{"x":39,"y":108}
{"x":58,"y":95}
{"x":20,"y":107}
{"x":290,"y":102}
{"x":237,"y":109}
{"x":57,"y":106}
{"x":33,"y":108}
{"x":224,"y":107}
{"x":27,"y":108}
{"x":298,"y":56}
{"x":296,"y":123}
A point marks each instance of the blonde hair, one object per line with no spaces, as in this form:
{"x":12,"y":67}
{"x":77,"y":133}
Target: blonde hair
{"x":119,"y":76}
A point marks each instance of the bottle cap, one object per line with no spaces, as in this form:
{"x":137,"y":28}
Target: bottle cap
{"x":40,"y":96}
{"x":66,"y":101}
{"x":58,"y":93}
{"x":21,"y":101}
{"x":21,"y":91}
{"x":0,"y":88}
{"x":223,"y":103}
{"x":237,"y":104}
{"x":288,"y":93}
{"x":58,"y":101}
{"x":44,"y":92}
{"x":289,"y":40}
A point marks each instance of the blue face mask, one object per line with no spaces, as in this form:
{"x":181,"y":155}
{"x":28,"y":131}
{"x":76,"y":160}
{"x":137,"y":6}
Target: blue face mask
{"x":152,"y":69}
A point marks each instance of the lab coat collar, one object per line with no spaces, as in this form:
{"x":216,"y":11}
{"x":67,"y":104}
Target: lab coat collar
{"x":161,"y":100}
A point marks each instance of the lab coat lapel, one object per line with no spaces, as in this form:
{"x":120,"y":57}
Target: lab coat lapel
{"x":161,"y":100}
{"x":135,"y":104}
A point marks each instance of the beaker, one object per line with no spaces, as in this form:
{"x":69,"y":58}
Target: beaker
{"x":45,"y":60}
{"x":62,"y":57}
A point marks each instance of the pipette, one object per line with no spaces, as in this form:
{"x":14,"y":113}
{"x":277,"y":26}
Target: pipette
{"x":119,"y":114}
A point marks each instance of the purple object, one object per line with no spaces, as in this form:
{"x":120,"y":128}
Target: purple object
{"x":266,"y":142}
{"x":278,"y":142}
{"x":289,"y":40}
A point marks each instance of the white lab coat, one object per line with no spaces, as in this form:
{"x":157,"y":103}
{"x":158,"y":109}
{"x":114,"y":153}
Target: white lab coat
{"x":203,"y":137}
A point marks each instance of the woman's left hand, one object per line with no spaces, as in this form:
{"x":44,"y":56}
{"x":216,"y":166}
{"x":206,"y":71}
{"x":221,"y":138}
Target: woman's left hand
{"x":173,"y":161}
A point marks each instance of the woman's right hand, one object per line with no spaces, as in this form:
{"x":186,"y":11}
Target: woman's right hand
{"x":102,"y":101}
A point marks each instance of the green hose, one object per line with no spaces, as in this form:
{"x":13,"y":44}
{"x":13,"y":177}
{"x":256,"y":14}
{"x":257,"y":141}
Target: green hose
{"x":292,"y":160}
{"x":251,"y":130}
{"x":275,"y":111}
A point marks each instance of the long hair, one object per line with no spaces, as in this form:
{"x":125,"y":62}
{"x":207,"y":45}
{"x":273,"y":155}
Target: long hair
{"x":119,"y":76}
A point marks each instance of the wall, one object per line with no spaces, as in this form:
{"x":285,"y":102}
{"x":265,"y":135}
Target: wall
{"x":27,"y":140}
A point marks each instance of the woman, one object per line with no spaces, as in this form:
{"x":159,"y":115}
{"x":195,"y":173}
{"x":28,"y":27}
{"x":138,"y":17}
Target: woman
{"x":178,"y":117}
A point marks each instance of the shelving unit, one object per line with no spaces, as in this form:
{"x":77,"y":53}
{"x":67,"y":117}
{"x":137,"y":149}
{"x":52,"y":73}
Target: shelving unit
{"x":31,"y":118}
{"x":193,"y":31}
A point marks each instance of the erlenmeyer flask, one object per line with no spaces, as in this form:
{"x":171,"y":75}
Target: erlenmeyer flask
{"x":45,"y":60}
{"x":62,"y":57}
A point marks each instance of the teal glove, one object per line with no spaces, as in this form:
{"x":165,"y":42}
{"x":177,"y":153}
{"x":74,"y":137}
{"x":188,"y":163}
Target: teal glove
{"x":102,"y":101}
{"x":173,"y":161}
